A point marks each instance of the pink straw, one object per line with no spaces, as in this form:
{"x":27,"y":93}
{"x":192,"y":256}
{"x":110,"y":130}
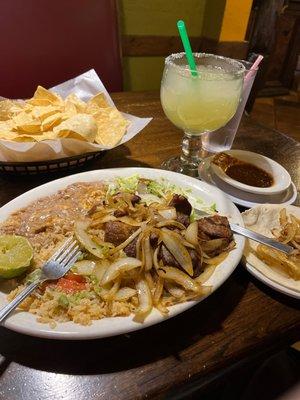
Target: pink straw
{"x":254,"y":65}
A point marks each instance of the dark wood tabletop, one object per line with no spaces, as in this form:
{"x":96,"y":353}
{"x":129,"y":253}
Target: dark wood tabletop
{"x":242,"y":319}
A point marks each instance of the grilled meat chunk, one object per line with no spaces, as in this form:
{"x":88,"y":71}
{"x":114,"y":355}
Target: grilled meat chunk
{"x":95,"y":206}
{"x":135,"y":199}
{"x":183,"y":219}
{"x":120,"y":213}
{"x":183,"y":208}
{"x":117,"y":232}
{"x":197,"y":266}
{"x":154,"y":239}
{"x":181,"y":204}
{"x":214,"y":227}
{"x":130,"y":249}
{"x":169,"y":260}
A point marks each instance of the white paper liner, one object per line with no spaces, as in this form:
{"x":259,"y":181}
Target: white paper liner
{"x":84,"y":86}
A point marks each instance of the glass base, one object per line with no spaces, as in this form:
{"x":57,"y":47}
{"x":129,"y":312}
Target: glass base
{"x":175,"y":164}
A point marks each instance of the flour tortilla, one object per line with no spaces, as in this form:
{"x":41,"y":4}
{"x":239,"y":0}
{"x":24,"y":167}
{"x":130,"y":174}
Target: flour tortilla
{"x":263,"y":219}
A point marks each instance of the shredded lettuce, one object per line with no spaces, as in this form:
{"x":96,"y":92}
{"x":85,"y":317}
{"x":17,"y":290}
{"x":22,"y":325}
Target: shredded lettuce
{"x":33,"y":276}
{"x":158,"y":189}
{"x":213,"y":208}
{"x":193,"y":216}
{"x":128,"y":184}
{"x":84,"y":294}
{"x":93,"y":279}
{"x":97,"y":290}
{"x":63,"y":301}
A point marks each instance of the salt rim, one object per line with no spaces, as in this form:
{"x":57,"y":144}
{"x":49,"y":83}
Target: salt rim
{"x":233,"y":74}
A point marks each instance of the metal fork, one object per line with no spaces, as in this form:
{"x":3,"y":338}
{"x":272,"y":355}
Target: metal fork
{"x":257,"y":237}
{"x":56,"y":267}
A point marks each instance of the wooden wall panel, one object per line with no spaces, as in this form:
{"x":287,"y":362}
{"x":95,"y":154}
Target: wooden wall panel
{"x":154,"y":46}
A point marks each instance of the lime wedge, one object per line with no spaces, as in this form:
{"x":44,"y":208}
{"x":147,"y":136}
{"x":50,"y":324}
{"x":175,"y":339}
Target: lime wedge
{"x":15,"y":255}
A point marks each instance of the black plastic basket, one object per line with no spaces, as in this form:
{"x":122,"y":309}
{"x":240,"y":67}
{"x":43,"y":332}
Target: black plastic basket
{"x":42,"y":167}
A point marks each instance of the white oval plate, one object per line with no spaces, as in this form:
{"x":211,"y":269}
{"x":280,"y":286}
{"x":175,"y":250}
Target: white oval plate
{"x":25,"y":322}
{"x":242,"y":198}
{"x":282,"y":179}
{"x":265,"y":279}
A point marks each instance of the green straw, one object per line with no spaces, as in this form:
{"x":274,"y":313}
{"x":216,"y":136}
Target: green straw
{"x":187,"y":47}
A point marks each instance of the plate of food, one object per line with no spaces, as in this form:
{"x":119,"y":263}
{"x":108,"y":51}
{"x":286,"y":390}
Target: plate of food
{"x":277,"y":270}
{"x":146,"y":254}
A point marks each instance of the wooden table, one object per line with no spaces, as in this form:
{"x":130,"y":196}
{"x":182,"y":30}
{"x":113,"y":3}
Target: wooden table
{"x":242,"y":319}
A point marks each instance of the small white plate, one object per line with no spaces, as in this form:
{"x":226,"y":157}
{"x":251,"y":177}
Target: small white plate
{"x":242,"y":198}
{"x":281,"y":177}
{"x":25,"y":322}
{"x":274,"y":285}
{"x":267,"y":280}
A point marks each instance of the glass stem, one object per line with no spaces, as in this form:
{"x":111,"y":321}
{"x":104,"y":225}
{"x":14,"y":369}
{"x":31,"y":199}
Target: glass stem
{"x":190,"y":150}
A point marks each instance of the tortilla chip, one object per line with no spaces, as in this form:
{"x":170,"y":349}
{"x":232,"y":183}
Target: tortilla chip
{"x":43,"y":97}
{"x":6,"y":126}
{"x":8,"y":135}
{"x":80,"y":126}
{"x":24,"y":122}
{"x":70,"y":109}
{"x":9,"y":108}
{"x":43,"y":112}
{"x":35,"y":138}
{"x":79,"y":104}
{"x":92,"y":109}
{"x":111,"y":127}
{"x":99,"y":100}
{"x":50,"y":122}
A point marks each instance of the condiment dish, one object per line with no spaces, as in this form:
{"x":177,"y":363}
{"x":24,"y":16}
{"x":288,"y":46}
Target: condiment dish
{"x":281,"y":178}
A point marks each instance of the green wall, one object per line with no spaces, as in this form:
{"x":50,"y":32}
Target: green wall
{"x":155,"y":17}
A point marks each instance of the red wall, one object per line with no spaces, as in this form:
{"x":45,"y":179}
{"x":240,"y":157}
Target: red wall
{"x":49,"y":41}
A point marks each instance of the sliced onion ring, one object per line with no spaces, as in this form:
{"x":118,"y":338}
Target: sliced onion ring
{"x":191,"y":233}
{"x":182,"y":279}
{"x":124,"y":293}
{"x":100,"y":268}
{"x":147,"y":254}
{"x":85,"y":267}
{"x":85,"y":240}
{"x":168,"y":213}
{"x":119,"y":266}
{"x":129,"y":221}
{"x":170,"y":223}
{"x":155,"y":258}
{"x":158,"y":290}
{"x":206,"y":274}
{"x":176,"y":248}
{"x":102,"y":220}
{"x":174,"y":290}
{"x":145,"y":299}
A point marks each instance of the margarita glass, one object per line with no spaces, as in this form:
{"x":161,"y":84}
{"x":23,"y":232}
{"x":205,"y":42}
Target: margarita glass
{"x":199,"y":103}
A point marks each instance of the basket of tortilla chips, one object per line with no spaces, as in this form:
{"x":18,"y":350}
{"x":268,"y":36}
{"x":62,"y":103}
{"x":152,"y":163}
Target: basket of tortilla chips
{"x":62,"y":127}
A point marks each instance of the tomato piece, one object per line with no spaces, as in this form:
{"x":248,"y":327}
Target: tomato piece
{"x":69,"y":285}
{"x":75,"y":278}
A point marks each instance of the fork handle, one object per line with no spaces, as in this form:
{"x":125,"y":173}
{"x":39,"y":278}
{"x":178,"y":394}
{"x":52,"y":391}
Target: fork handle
{"x":6,"y":310}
